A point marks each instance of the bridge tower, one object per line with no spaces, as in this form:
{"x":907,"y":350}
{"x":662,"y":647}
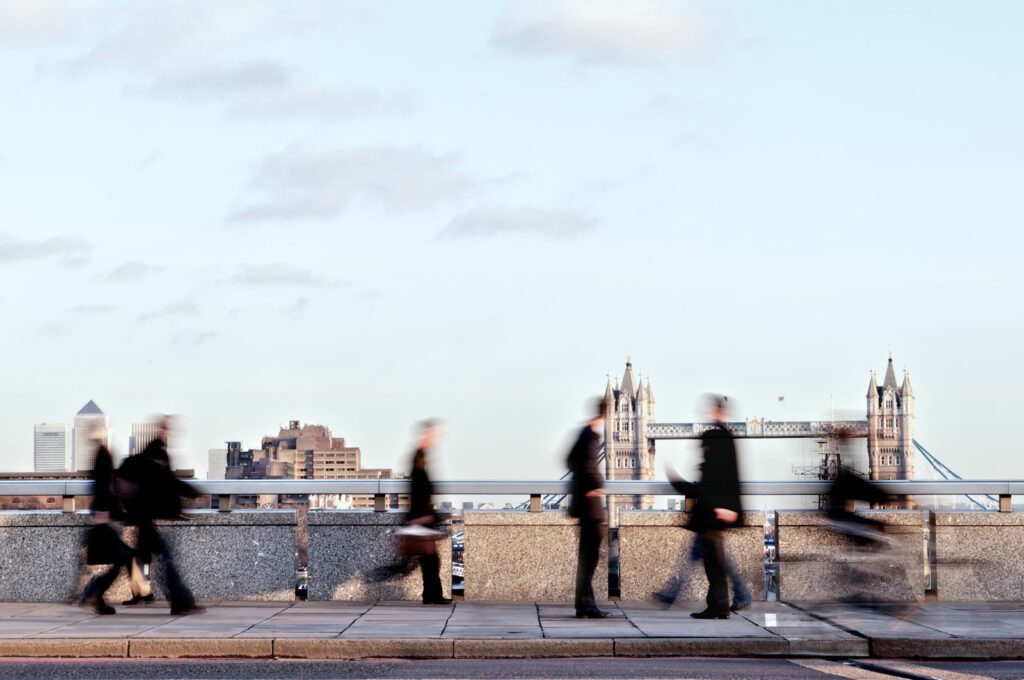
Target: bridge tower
{"x":891,"y":426}
{"x":629,"y":455}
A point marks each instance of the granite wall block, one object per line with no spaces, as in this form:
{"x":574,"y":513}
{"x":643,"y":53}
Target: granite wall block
{"x":818,"y":563}
{"x":652,"y":543}
{"x":345,"y":545}
{"x":979,"y":555}
{"x":530,"y":556}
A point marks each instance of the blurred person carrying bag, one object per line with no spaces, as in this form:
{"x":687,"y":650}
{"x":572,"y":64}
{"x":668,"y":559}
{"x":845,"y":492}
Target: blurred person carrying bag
{"x":416,"y":538}
{"x":103,"y":545}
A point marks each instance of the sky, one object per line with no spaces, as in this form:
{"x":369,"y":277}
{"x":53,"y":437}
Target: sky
{"x":365,"y":214}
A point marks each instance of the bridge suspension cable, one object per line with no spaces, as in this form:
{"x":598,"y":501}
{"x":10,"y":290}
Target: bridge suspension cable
{"x":947,"y":473}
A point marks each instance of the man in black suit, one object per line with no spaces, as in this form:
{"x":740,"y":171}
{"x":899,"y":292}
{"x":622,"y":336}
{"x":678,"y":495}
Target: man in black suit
{"x":154,"y":492}
{"x":587,"y":505}
{"x":716,"y":508}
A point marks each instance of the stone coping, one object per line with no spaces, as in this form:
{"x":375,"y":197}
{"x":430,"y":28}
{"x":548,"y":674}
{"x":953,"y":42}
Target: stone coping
{"x":363,"y":518}
{"x":56,"y":518}
{"x":891,"y":518}
{"x":520,"y":518}
{"x":352,"y":630}
{"x":674,"y":518}
{"x":979,"y":518}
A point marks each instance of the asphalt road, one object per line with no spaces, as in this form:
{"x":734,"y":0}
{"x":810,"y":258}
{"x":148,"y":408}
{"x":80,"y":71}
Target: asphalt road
{"x":710,"y":669}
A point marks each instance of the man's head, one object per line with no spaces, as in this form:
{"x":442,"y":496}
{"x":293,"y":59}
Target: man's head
{"x":718,"y":407}
{"x":431,"y":432}
{"x":599,"y":413}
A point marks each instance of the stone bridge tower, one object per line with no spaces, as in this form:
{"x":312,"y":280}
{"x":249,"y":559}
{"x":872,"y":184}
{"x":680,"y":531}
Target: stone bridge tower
{"x":629,"y":455}
{"x":891,"y":426}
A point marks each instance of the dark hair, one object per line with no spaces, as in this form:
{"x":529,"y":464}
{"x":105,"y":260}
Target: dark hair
{"x":719,"y":402}
{"x":600,"y":408}
{"x":428,"y":423}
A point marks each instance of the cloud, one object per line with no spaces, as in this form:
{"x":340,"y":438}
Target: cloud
{"x":29,"y":21}
{"x":215,"y":79}
{"x":280,"y":274}
{"x":640,"y":32}
{"x":133,"y":270}
{"x":172,"y":309}
{"x":312,"y":182}
{"x":489,"y":221}
{"x":268,"y":88}
{"x":13,"y":248}
{"x":90,"y":310}
{"x":203,"y":338}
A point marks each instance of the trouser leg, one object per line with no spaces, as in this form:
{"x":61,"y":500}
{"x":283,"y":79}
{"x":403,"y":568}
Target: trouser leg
{"x":586,"y":564}
{"x":714,"y":568}
{"x":430,"y":566}
{"x":98,"y":585}
{"x":174,"y":588}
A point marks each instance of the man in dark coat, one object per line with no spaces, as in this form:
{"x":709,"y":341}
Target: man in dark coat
{"x":152,"y":491}
{"x":587,"y":505}
{"x":716,"y":508}
{"x":421,"y":512}
{"x":105,"y":507}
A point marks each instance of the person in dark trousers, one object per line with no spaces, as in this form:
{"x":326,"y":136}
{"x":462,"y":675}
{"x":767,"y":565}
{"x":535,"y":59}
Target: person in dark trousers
{"x":716,"y":507}
{"x":105,"y":507}
{"x":587,"y":505}
{"x":151,"y":492}
{"x":421,"y":512}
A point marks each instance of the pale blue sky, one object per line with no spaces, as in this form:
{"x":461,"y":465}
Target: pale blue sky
{"x":364,"y":214}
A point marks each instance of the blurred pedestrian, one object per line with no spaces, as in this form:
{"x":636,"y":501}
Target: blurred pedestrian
{"x":151,"y":491}
{"x":716,"y":507}
{"x":103,"y":542}
{"x":420,"y":536}
{"x":587,"y":505}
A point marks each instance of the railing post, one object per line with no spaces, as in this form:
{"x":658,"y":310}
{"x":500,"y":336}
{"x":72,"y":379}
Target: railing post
{"x":1005,"y":503}
{"x":380,"y":502}
{"x":224,"y":502}
{"x":535,"y":503}
{"x":69,"y":504}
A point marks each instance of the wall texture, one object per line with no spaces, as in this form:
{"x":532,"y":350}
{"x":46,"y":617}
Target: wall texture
{"x":346,"y":545}
{"x":523,"y":555}
{"x":654,"y":547}
{"x":816,"y":563}
{"x":980,"y":555}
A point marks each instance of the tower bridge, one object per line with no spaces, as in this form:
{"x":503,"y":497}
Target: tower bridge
{"x":632,"y":430}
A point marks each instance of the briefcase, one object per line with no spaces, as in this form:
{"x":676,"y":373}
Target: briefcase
{"x":103,"y":545}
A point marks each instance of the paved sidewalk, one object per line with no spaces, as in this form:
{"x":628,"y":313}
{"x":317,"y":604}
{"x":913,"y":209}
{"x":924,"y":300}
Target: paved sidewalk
{"x":497,"y":629}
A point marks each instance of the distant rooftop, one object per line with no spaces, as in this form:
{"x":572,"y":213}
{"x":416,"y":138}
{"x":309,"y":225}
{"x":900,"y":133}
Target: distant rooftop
{"x":90,"y":409}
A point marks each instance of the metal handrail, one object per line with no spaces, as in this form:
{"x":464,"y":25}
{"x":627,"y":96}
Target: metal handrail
{"x":251,"y":487}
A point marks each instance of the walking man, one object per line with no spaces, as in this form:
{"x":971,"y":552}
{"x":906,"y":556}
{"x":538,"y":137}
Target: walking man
{"x":716,"y":508}
{"x":587,"y":506}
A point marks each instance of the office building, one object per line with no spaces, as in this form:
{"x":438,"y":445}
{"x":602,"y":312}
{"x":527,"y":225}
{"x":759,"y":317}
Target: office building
{"x":52,"y":447}
{"x":87,"y":420}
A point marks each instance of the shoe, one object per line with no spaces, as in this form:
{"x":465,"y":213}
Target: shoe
{"x":438,"y":600}
{"x":663,"y":599}
{"x":188,"y":611}
{"x":98,"y":606}
{"x":136,"y":599}
{"x":594,"y":613}
{"x":742,"y":602}
{"x":710,"y":614}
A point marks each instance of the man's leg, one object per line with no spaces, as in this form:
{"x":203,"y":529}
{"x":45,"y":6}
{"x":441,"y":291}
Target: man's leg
{"x":714,"y":568}
{"x":669,"y":592}
{"x":177,"y":592}
{"x":589,"y":552}
{"x":430,"y":566}
{"x":741,"y":595}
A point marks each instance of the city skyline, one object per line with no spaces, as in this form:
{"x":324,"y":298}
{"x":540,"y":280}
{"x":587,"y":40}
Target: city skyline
{"x":370,"y":215}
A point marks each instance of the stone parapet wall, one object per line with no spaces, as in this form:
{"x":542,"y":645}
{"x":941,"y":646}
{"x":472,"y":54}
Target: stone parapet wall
{"x":237,"y":556}
{"x":654,"y":545}
{"x":979,"y":555}
{"x":817,"y":563}
{"x":519,"y":555}
{"x":345,"y":545}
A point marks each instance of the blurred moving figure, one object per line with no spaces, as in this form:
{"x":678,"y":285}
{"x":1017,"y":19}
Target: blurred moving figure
{"x":716,"y":508}
{"x":419,"y":535}
{"x":103,"y":542}
{"x":587,"y":505}
{"x":151,"y":491}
